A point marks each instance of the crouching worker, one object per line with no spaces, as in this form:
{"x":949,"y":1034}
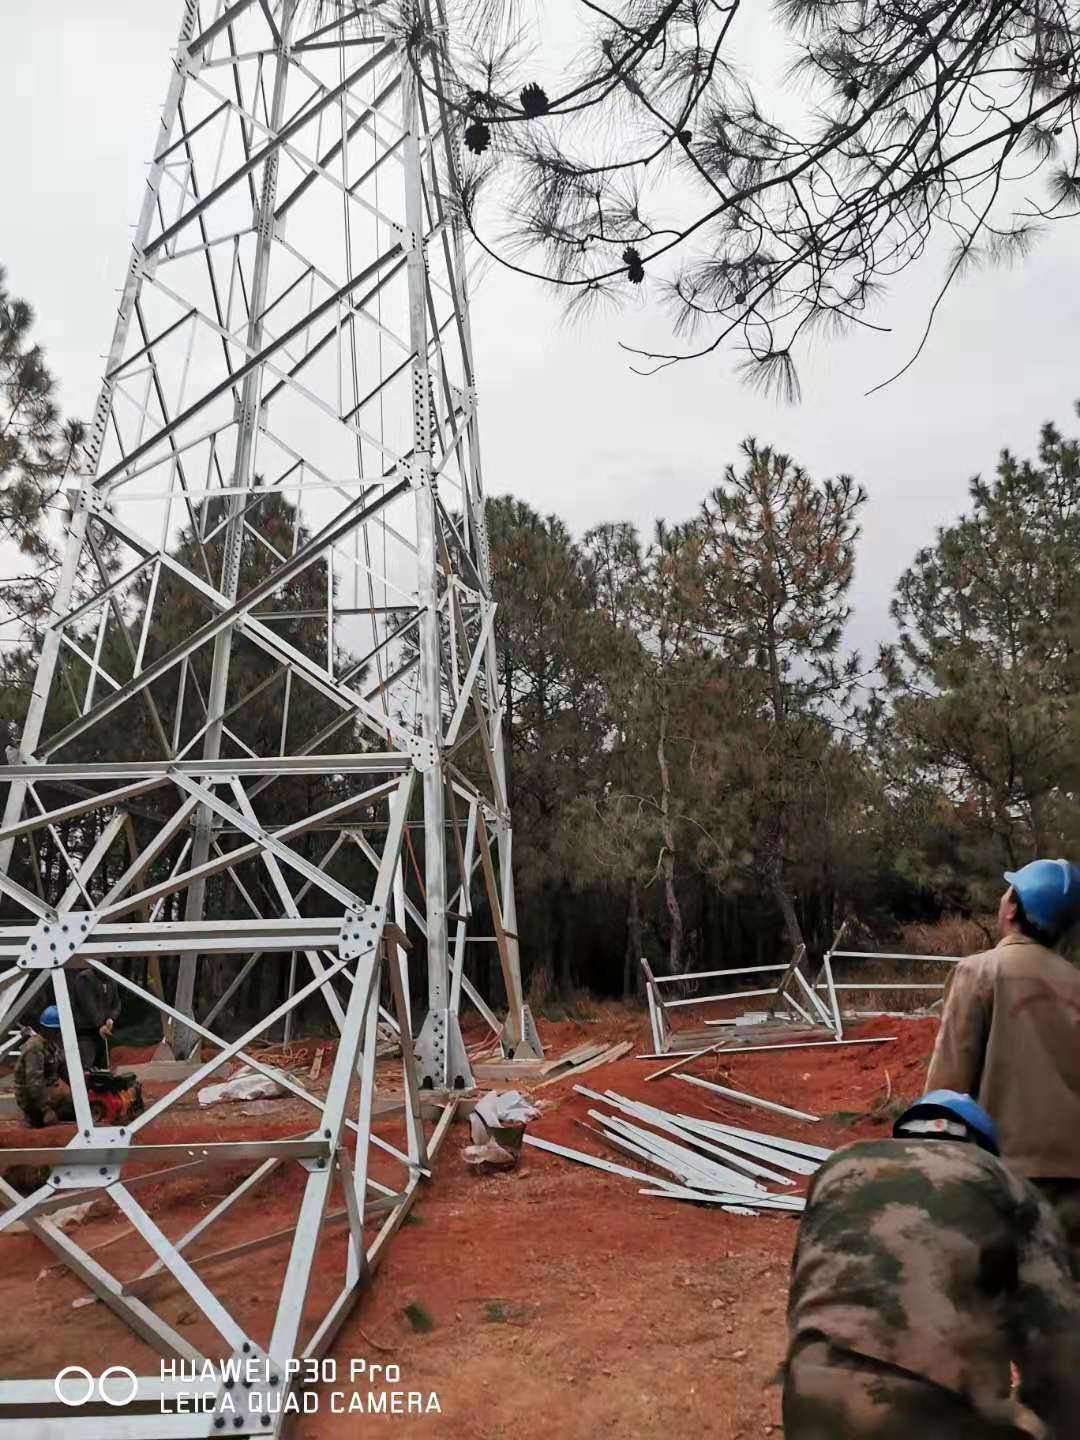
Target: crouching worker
{"x":923,"y":1268}
{"x":41,"y":1089}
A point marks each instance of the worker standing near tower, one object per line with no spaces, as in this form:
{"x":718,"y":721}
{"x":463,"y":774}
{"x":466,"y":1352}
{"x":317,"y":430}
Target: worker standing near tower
{"x":1010,"y":1036}
{"x":96,"y":1003}
{"x":923,"y":1270}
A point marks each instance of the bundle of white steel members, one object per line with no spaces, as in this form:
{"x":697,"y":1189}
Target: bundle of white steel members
{"x":702,"y":1161}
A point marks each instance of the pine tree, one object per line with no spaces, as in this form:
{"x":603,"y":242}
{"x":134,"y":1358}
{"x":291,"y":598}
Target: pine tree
{"x":36,"y":451}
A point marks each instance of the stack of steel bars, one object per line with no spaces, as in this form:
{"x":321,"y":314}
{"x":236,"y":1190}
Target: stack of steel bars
{"x":703,"y":1161}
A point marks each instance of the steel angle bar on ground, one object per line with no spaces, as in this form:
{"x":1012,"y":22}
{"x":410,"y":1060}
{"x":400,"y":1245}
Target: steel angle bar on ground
{"x":658,"y":1161}
{"x":765,"y":1147}
{"x":793,"y":1204}
{"x":776,"y":1142}
{"x":683,"y":1059}
{"x":762,"y":1150}
{"x":584,"y":1158}
{"x":685,"y":1130}
{"x":694,"y":1178}
{"x":626,"y":1147}
{"x":780,"y":1045}
{"x":753,"y":1101}
{"x":245,"y":1187}
{"x":692,"y":1163}
{"x":669,"y":1123}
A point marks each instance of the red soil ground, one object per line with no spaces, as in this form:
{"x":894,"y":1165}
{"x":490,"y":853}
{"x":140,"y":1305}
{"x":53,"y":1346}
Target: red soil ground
{"x":561,"y":1301}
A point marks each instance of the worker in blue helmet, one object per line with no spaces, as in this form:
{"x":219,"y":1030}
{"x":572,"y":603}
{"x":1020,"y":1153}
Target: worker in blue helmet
{"x":41,"y":1089}
{"x":924,"y":1270}
{"x":1010,"y":1035}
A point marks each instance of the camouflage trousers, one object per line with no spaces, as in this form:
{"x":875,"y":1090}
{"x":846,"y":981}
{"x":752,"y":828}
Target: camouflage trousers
{"x":831,"y":1394}
{"x":57,"y":1104}
{"x":1064,"y":1198}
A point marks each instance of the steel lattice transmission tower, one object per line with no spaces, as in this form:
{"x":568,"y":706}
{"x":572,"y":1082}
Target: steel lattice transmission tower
{"x":269,"y":671}
{"x":294,"y":324}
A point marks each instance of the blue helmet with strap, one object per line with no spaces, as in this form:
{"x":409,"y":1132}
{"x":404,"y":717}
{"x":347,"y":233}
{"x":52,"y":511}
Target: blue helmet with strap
{"x":50,"y":1018}
{"x":945,"y":1115}
{"x":1049,"y":891}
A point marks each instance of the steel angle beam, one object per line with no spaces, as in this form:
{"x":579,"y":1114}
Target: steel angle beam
{"x":793,"y":1206}
{"x":776,"y":1142}
{"x":584,"y":1158}
{"x":765,"y":1149}
{"x":740,"y":1097}
{"x":683,"y":1129}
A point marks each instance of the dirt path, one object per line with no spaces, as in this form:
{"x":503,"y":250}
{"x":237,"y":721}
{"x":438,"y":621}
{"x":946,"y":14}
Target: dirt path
{"x":560,"y":1301}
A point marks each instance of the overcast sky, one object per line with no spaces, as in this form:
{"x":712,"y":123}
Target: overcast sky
{"x":565,"y":423}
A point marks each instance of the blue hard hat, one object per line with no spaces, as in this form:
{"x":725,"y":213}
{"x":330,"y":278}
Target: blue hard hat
{"x":951,"y":1105}
{"x":1049,"y":891}
{"x":50,"y":1018}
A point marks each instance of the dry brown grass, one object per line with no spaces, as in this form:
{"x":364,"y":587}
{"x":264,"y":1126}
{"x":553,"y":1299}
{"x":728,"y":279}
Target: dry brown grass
{"x":951,"y":935}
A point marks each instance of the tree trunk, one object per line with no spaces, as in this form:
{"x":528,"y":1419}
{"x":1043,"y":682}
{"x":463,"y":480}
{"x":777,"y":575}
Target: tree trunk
{"x":792,"y":928}
{"x":632,"y":969}
{"x":566,"y":945}
{"x":667,"y":858}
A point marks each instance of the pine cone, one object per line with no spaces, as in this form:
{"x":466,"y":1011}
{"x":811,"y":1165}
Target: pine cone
{"x":477,"y":136}
{"x":534,"y":102}
{"x":635,"y":270}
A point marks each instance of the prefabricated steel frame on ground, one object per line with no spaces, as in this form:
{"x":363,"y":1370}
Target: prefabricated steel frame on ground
{"x":664,"y":1036}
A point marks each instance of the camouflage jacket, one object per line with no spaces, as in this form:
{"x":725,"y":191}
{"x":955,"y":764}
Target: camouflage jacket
{"x":933,"y":1258}
{"x":37,"y":1070}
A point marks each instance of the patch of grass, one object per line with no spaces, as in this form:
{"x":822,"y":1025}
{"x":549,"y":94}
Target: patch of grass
{"x":846,"y":1117}
{"x":419,"y":1317}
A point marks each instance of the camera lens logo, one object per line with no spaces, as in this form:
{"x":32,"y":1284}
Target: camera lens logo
{"x":75,"y":1386}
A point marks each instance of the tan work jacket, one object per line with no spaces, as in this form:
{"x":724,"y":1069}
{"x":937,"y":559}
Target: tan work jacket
{"x":1010,"y":1036}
